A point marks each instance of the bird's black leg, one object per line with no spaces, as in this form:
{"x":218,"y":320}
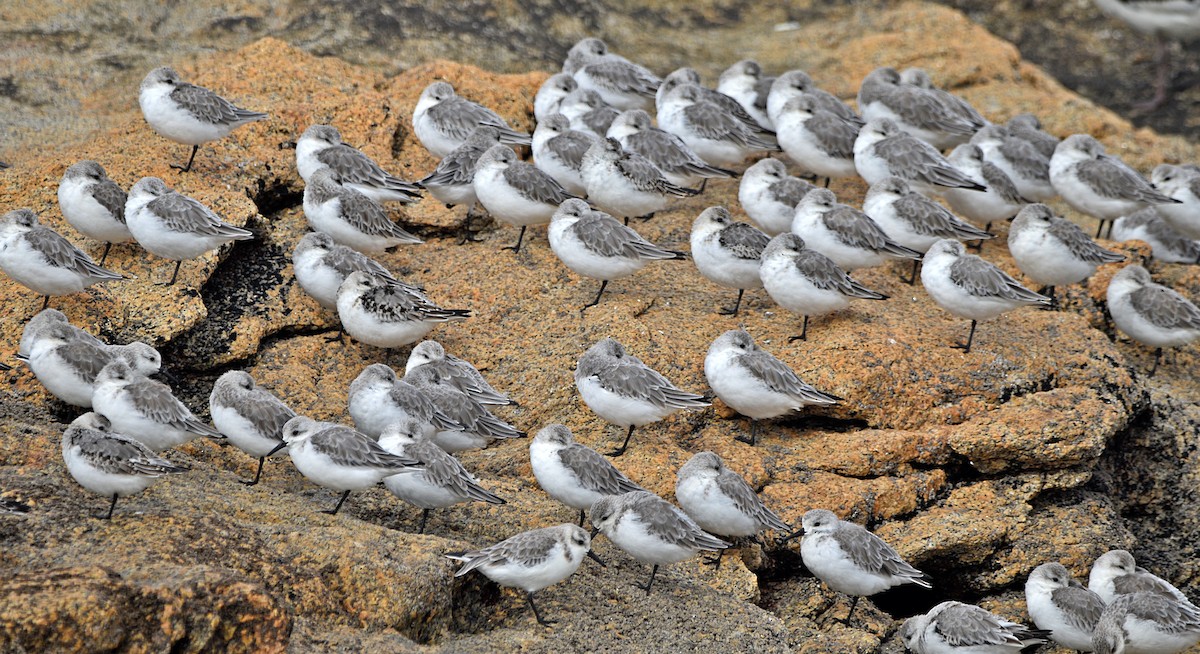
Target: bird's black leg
{"x":966,"y":347}
{"x":716,"y":563}
{"x":912,"y":278}
{"x":257,"y":474}
{"x":520,"y":237}
{"x":424,"y":519}
{"x":603,"y":285}
{"x":853,"y":605}
{"x":45,"y":302}
{"x":736,"y":305}
{"x":649,"y":584}
{"x":621,"y":450}
{"x":339,"y":504}
{"x":188,"y":167}
{"x":111,"y":506}
{"x":803,"y":332}
{"x":174,"y":274}
{"x":538,"y":616}
{"x":581,"y":517}
{"x":104,"y":257}
{"x":1157,"y":359}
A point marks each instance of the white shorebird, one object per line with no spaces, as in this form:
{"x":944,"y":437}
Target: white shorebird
{"x":109,"y":463}
{"x":1182,"y":184}
{"x":550,"y":95}
{"x":572,"y":473}
{"x":1146,"y":623}
{"x":957,"y":628}
{"x":41,"y":260}
{"x":1001,"y":200}
{"x":806,"y":282}
{"x":626,"y":184}
{"x":587,"y":112}
{"x":884,"y":150}
{"x":558,"y":150}
{"x":1116,"y":573}
{"x":43,"y":320}
{"x":769,"y":195}
{"x":919,"y":111}
{"x":1027,"y":127}
{"x":516,"y":192}
{"x":377,"y":398}
{"x":476,"y":425}
{"x":744,"y":81}
{"x":94,"y":204}
{"x":726,"y":104}
{"x":144,"y":409}
{"x":710,"y":130}
{"x":452,"y":182}
{"x":531,"y":560}
{"x":378,"y":312}
{"x":727,"y":252}
{"x":67,"y":365}
{"x":461,"y":374}
{"x":1054,"y":251}
{"x":188,"y":114}
{"x":795,"y":83}
{"x":321,"y":265}
{"x":1165,"y":20}
{"x":250,"y":416}
{"x":846,"y":235}
{"x":651,"y":530}
{"x":970,"y":287}
{"x":626,"y":392}
{"x":174,"y":226}
{"x":1060,"y":605}
{"x":1151,"y":313}
{"x":620,"y":82}
{"x":321,"y":146}
{"x":1166,"y":244}
{"x":443,"y":120}
{"x":442,"y":481}
{"x":350,"y":217}
{"x":755,"y":383}
{"x":1021,"y":161}
{"x":596,"y":245}
{"x":852,"y":560}
{"x":952,"y":104}
{"x":819,"y":141}
{"x":678,"y":163}
{"x":338,"y":457}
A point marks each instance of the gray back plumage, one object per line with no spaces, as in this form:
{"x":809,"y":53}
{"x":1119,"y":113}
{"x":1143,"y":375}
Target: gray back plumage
{"x":983,"y":279}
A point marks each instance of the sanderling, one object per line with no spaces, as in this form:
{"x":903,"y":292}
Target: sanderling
{"x":1060,"y":605}
{"x":516,"y":192}
{"x":682,"y":167}
{"x":174,"y":226}
{"x":41,"y":260}
{"x":145,"y":409}
{"x":596,"y":245}
{"x":1024,"y":164}
{"x":710,"y":130}
{"x":452,"y":181}
{"x":1000,"y":201}
{"x":624,"y":391}
{"x":1116,"y":573}
{"x":806,"y":282}
{"x":883,"y":150}
{"x":769,"y":195}
{"x":846,"y":235}
{"x":1054,"y":251}
{"x":558,"y":150}
{"x":1182,"y":184}
{"x":44,"y":319}
{"x":754,"y":383}
{"x":1150,"y":313}
{"x":1146,"y":623}
{"x":626,"y":184}
{"x":795,"y":83}
{"x":350,"y":217}
{"x":622,"y":83}
{"x":109,"y":463}
{"x":441,"y":483}
{"x":587,"y":112}
{"x":721,"y":502}
{"x":378,"y":312}
{"x":916,"y":110}
{"x":338,"y":457}
{"x":727,"y":252}
{"x":745,"y":83}
{"x":727,"y":104}
{"x":1164,"y":20}
{"x":1028,"y":128}
{"x":550,"y":95}
{"x":817,"y":140}
{"x":251,"y":417}
{"x":321,"y":146}
{"x":188,"y":114}
{"x":971,"y":288}
{"x":461,"y":374}
{"x":94,"y":205}
{"x":321,"y":265}
{"x":443,"y":120}
{"x":852,"y":560}
{"x":572,"y":473}
{"x":651,"y":530}
{"x":957,"y":628}
{"x":1099,"y":184}
{"x":531,"y":560}
{"x":476,"y":425}
{"x":949,"y":102}
{"x":67,"y":365}
{"x":1148,"y":225}
{"x":377,"y":398}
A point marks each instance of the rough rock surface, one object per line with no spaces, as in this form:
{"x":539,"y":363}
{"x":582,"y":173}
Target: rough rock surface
{"x":1046,"y":441}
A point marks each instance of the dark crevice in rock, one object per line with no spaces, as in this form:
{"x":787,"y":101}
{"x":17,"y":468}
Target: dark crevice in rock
{"x":274,"y":197}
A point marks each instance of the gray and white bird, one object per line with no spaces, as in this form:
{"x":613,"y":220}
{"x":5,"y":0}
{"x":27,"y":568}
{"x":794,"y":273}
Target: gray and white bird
{"x":651,"y":530}
{"x":443,"y":120}
{"x":957,"y":628}
{"x":349,"y":216}
{"x":922,"y":112}
{"x":375,"y":310}
{"x":321,"y":146}
{"x":678,"y":163}
{"x":1027,"y":127}
{"x":476,"y":426}
{"x":458,"y":372}
{"x":550,"y":95}
{"x":727,"y":252}
{"x":952,"y":103}
{"x":188,"y":114}
{"x":1116,"y":573}
{"x":754,"y":383}
{"x":174,"y":226}
{"x":94,"y":204}
{"x":625,"y":184}
{"x":43,"y":320}
{"x":250,"y":416}
{"x":884,"y":150}
{"x":624,"y":391}
{"x":844,"y":234}
{"x":68,"y":365}
{"x":144,"y":409}
{"x":620,"y":82}
{"x":1054,"y":251}
{"x":573,"y":473}
{"x":728,"y":105}
{"x":1149,"y":226}
{"x":441,"y":482}
{"x":321,"y":265}
{"x":852,"y":560}
{"x":769,"y":195}
{"x":1146,"y":623}
{"x":1021,"y":161}
{"x":596,"y":245}
{"x":1150,"y":313}
{"x":516,"y":192}
{"x":378,"y":398}
{"x":971,"y":288}
{"x":795,"y":83}
{"x":1182,"y":184}
{"x":43,"y":261}
{"x":110,"y":463}
{"x":806,"y":282}
{"x":999,"y":201}
{"x":452,"y":182}
{"x":1062,"y":606}
{"x":340,"y":458}
{"x":531,"y":560}
{"x":710,"y":130}
{"x":587,"y":112}
{"x":558,"y":150}
{"x":744,"y":81}
{"x":818,"y":140}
